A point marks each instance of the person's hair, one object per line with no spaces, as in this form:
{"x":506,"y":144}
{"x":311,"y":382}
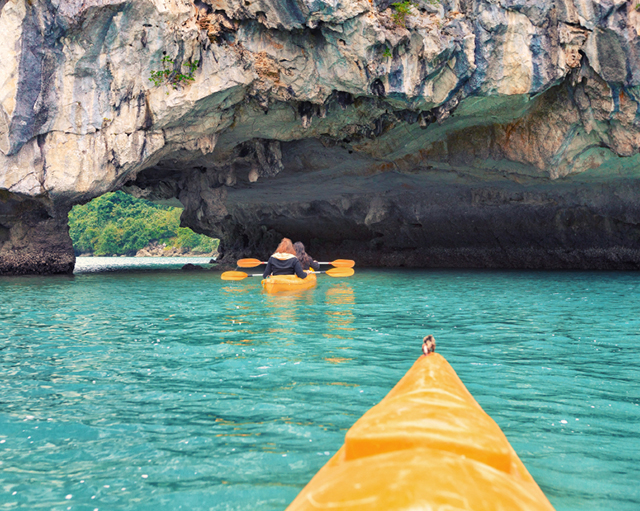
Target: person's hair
{"x":286,"y":247}
{"x":304,"y":258}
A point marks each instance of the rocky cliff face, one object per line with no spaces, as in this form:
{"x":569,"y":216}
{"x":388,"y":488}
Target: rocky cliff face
{"x":482,"y":133}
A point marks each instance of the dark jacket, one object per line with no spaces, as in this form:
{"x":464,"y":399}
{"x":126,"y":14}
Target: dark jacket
{"x":311,"y":264}
{"x":284,"y":264}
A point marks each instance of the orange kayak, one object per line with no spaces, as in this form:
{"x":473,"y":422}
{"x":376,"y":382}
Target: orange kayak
{"x":280,"y":283}
{"x":428,"y":445}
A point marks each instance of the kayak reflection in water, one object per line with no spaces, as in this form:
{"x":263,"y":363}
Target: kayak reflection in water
{"x":305,"y":259}
{"x":284,"y":261}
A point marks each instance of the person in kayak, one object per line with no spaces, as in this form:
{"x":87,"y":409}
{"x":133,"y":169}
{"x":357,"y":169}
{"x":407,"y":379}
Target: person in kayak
{"x":305,"y":259}
{"x":429,"y":344}
{"x":284,"y":261}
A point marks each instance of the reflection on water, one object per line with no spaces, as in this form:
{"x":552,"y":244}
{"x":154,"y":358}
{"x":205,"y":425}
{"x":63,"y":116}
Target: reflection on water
{"x":102,"y":264}
{"x":337,"y":360}
{"x":340,"y":294}
{"x":284,"y":309}
{"x":170,"y":390}
{"x":341,"y":300}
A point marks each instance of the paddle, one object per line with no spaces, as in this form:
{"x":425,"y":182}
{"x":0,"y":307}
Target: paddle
{"x":240,"y":275}
{"x":338,"y":272}
{"x":252,"y":263}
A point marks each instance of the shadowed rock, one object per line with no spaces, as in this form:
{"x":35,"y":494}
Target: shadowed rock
{"x":192,"y":267}
{"x":33,"y":239}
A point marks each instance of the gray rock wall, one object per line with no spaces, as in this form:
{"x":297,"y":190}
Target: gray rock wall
{"x":335,"y":122}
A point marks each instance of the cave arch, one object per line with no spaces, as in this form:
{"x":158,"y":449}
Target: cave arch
{"x":502,"y":137}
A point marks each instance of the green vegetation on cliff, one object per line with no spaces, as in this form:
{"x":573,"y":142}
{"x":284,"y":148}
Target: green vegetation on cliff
{"x":118,"y":224}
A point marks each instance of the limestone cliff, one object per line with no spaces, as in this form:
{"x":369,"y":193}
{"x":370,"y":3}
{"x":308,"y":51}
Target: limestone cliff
{"x":482,"y":133}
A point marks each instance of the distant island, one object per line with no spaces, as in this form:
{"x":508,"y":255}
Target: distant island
{"x":117,"y":224}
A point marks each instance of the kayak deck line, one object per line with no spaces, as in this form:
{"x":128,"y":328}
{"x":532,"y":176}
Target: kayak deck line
{"x":428,"y":445}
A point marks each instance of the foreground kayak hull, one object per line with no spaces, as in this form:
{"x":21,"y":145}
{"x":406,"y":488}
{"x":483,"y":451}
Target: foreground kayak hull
{"x":284,"y":283}
{"x":428,"y":445}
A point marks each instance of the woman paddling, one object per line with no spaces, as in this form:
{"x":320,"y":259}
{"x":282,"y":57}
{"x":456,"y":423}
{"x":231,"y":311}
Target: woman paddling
{"x":305,"y":259}
{"x":284,"y":261}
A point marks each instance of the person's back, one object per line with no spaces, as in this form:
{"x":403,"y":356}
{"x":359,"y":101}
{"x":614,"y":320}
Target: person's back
{"x":305,"y":259}
{"x":284,"y":261}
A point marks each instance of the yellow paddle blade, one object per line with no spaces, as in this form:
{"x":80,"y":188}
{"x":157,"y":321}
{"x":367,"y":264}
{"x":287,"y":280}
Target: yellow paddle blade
{"x":233,"y":275}
{"x":249,"y":263}
{"x":343,"y":263}
{"x":340,"y":272}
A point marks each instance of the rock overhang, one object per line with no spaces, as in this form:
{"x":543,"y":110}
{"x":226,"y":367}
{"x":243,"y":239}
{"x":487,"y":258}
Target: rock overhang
{"x":335,"y":124}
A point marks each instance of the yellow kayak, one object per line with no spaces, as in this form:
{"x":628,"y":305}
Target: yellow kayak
{"x":428,"y":446}
{"x":280,"y":283}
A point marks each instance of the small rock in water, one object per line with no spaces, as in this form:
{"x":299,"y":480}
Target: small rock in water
{"x":192,"y":267}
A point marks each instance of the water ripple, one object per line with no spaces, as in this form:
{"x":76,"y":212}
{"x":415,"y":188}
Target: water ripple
{"x":143,"y":390}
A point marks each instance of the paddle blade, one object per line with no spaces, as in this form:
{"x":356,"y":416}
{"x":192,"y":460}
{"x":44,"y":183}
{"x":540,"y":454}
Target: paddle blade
{"x":233,"y":275}
{"x":249,"y":263}
{"x":340,"y":272}
{"x":343,"y":263}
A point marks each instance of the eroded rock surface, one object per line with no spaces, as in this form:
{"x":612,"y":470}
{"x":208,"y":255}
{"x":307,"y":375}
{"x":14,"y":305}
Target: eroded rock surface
{"x":483,"y":133}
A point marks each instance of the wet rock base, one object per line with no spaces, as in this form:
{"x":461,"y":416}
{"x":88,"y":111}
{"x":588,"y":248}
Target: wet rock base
{"x":34,"y":240}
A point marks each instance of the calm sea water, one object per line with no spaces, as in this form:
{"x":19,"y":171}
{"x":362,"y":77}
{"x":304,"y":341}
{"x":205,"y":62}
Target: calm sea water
{"x":171,"y":390}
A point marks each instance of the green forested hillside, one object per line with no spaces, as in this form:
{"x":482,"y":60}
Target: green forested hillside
{"x":118,"y":224}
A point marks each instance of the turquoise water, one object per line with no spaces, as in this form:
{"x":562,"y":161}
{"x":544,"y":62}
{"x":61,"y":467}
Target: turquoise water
{"x":173,"y":390}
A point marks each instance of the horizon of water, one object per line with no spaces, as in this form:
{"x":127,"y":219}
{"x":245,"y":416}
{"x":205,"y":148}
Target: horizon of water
{"x":98,"y":264}
{"x":164,"y":390}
